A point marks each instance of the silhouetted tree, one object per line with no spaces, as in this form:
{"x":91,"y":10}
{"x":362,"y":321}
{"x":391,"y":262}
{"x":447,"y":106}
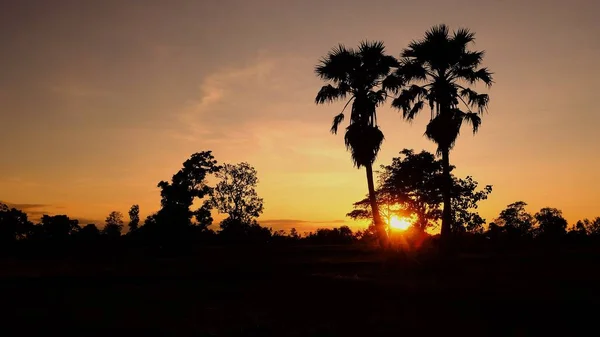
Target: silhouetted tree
{"x":294,"y":234}
{"x":134,"y":217}
{"x":551,"y":223}
{"x":413,"y":180}
{"x":339,"y":235}
{"x":14,"y":224}
{"x":438,"y":68}
{"x":113,"y":224}
{"x":356,"y":76}
{"x":515,"y":221}
{"x":412,"y":184}
{"x":59,"y":226}
{"x":234,"y":229}
{"x":203,"y":215}
{"x":465,"y":198}
{"x":235,"y":193}
{"x":186,"y":185}
{"x":587,"y":227}
{"x":89,"y":232}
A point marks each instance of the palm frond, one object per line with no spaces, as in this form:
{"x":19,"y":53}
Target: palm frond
{"x":463,"y":36}
{"x":329,"y":93}
{"x":408,"y":97}
{"x":411,"y":70}
{"x":438,"y":32}
{"x":475,"y":100}
{"x":471,"y":59}
{"x":473,"y":119}
{"x":392,"y":83}
{"x":473,"y":76}
{"x":363,"y":142}
{"x":378,"y":97}
{"x":337,"y":120}
{"x":337,"y":65}
{"x":412,"y":113}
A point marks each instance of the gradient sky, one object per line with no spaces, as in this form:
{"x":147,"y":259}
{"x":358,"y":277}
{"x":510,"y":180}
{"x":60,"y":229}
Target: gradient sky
{"x":100,"y":100}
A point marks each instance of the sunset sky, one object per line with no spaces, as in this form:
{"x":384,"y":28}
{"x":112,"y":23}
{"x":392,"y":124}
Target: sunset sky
{"x":100,"y":100}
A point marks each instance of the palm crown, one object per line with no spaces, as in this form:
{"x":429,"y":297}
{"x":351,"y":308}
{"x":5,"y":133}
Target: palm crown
{"x":440,"y":68}
{"x":357,"y":76}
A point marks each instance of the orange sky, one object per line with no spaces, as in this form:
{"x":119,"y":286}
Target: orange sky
{"x":101,"y":100}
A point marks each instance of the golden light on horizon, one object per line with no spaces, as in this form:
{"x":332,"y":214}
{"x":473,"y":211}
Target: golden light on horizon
{"x":399,"y":223}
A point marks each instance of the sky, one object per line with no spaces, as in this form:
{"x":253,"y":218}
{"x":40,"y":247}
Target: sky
{"x":101,"y":100}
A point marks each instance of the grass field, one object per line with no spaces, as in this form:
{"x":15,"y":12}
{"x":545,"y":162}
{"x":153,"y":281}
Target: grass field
{"x":303,"y":291}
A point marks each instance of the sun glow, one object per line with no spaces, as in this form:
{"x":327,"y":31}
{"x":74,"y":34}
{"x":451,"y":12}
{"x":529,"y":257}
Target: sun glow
{"x":397,"y":223}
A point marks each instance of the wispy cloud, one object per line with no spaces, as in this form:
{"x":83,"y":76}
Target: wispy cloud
{"x":33,"y":211}
{"x":233,"y":101}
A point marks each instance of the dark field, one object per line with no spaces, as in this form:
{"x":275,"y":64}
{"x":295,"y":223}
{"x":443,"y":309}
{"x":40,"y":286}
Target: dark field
{"x":303,"y":291}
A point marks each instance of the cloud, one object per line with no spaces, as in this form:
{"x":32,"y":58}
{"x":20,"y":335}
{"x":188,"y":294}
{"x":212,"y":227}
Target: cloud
{"x":233,"y":101}
{"x":33,"y":211}
{"x":24,"y":207}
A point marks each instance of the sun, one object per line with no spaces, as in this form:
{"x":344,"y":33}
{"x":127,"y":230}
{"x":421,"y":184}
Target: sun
{"x":399,"y":223}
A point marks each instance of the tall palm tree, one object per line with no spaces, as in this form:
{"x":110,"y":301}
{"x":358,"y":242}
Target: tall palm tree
{"x":356,"y":76}
{"x":439,"y":70}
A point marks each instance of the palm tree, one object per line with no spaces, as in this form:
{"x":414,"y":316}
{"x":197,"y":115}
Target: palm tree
{"x":356,"y":76}
{"x":438,"y":71}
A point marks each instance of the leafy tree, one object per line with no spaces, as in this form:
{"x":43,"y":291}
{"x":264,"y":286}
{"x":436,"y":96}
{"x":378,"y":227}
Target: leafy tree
{"x":465,"y":198}
{"x":113,"y":224}
{"x":356,"y":76}
{"x":551,"y":223}
{"x":134,"y":217}
{"x":339,"y":235}
{"x":186,"y":185}
{"x":294,"y":234}
{"x":387,"y":206}
{"x":203,"y":215}
{"x":439,"y":69}
{"x":587,"y":227}
{"x":59,"y":226}
{"x":239,"y":230}
{"x":89,"y":232}
{"x":515,"y":221}
{"x":14,"y":224}
{"x":411,"y":183}
{"x":235,"y":193}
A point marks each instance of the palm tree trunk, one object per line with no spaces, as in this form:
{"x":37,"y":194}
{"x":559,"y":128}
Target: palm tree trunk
{"x":446,"y":186}
{"x":379,"y":225}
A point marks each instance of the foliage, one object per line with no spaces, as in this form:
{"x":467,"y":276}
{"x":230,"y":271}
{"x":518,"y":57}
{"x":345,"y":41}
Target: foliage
{"x":437,"y":70}
{"x":339,"y":235}
{"x":465,"y":198}
{"x":234,"y":229}
{"x":186,"y":185}
{"x":515,"y":221}
{"x":89,"y":232}
{"x":587,"y":227}
{"x":59,"y":227}
{"x":411,"y":185}
{"x":14,"y":224}
{"x":134,"y":217}
{"x":235,"y":194}
{"x":413,"y":181}
{"x":551,"y":223}
{"x":113,"y":224}
{"x":356,"y":76}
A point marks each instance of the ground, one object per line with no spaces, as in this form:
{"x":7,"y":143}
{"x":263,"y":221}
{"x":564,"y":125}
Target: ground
{"x":303,"y":291}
